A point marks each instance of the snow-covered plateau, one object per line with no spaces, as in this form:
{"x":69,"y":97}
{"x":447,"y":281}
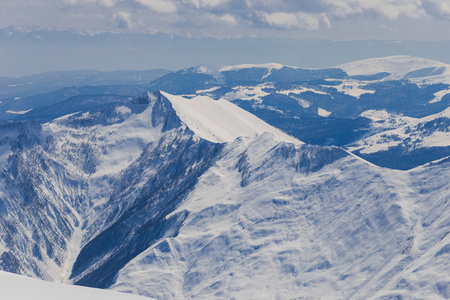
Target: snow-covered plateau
{"x":173,"y":197}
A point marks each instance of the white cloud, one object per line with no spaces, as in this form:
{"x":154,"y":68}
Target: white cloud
{"x":230,"y":17}
{"x":283,"y":20}
{"x":205,"y":3}
{"x":292,"y":20}
{"x":392,"y":9}
{"x":159,"y":6}
{"x":326,"y":20}
{"x":438,"y":8}
{"x":123,"y":20}
{"x":104,"y":3}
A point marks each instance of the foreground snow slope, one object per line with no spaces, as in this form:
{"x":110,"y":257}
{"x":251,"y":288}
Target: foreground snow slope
{"x":279,"y":221}
{"x":17,"y":287}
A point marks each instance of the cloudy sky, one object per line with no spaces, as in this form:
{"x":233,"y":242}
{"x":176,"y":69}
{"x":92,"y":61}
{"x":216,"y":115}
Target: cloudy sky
{"x":173,"y":34}
{"x":329,"y":19}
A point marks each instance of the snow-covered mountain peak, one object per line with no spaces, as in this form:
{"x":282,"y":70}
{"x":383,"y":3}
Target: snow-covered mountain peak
{"x":220,"y":121}
{"x":249,"y":66}
{"x":400,"y":67}
{"x":207,"y":69}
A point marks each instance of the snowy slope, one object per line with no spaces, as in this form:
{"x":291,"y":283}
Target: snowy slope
{"x":57,"y":178}
{"x":251,"y":66}
{"x":317,"y":106}
{"x":63,"y":182}
{"x":221,"y":121}
{"x":393,"y":130}
{"x":296,"y":221}
{"x":175,"y":198}
{"x":343,"y":106}
{"x":16,"y":287}
{"x":399,"y":67}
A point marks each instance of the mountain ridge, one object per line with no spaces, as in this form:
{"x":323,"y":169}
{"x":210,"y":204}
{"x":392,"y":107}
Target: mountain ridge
{"x":175,"y":197}
{"x":326,"y":107}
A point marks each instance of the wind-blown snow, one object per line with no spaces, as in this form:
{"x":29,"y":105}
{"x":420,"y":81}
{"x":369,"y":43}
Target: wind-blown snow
{"x":220,"y":121}
{"x":16,"y":287}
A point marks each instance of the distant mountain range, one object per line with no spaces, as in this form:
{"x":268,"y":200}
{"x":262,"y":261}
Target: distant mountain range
{"x":246,"y":182}
{"x":28,"y":50}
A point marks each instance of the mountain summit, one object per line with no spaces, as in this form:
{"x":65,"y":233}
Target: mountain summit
{"x":398,"y":67}
{"x":221,"y":121}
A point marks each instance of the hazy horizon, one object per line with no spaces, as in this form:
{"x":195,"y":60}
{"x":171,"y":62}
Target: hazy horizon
{"x":25,"y":53}
{"x":105,"y":35}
